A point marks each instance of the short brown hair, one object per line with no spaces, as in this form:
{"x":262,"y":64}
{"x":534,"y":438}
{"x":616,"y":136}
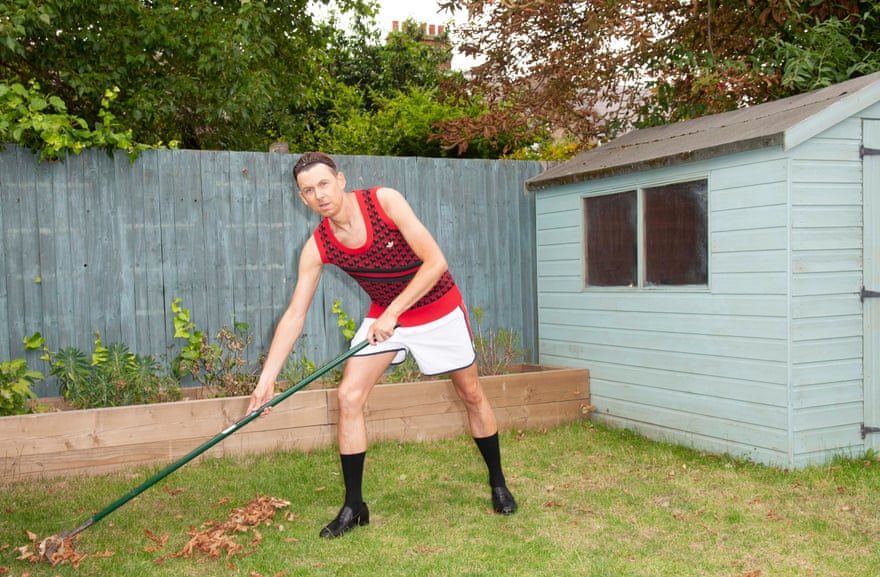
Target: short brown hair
{"x":311,"y":158}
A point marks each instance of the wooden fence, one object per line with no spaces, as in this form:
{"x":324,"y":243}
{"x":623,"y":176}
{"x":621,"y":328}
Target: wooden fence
{"x":101,"y":244}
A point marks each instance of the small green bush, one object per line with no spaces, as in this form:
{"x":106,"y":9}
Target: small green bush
{"x":115,"y":377}
{"x":219,"y":366}
{"x":16,"y":380}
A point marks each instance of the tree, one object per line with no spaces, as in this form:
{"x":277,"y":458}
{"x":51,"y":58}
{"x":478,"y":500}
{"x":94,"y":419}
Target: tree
{"x":236,"y":75}
{"x":387,"y":98}
{"x":209,"y":73}
{"x":586,"y":70}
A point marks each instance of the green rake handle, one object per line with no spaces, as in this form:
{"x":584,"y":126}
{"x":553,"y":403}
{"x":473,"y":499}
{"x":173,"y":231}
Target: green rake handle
{"x":210,"y":443}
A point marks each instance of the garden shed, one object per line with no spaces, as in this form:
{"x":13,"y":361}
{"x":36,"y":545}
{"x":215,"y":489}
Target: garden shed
{"x":717,"y":277}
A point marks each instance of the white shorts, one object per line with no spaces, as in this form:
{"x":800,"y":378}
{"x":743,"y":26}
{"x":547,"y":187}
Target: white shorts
{"x":438,"y":347}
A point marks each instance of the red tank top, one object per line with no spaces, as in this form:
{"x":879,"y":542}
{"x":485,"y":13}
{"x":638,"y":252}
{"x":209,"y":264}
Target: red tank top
{"x":385,"y":264}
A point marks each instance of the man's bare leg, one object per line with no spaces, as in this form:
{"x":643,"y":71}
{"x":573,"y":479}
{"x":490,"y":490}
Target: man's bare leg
{"x":484,"y":429}
{"x":358,"y":380}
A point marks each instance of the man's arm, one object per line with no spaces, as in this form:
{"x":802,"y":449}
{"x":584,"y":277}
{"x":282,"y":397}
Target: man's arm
{"x":290,"y":325}
{"x":425,"y":247}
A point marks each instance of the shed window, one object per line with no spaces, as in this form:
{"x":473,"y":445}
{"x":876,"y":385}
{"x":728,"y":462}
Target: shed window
{"x":648,"y":237}
{"x":611,"y":240}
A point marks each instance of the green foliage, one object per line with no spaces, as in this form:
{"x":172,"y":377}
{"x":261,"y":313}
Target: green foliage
{"x":407,"y":59}
{"x":185,"y":329}
{"x":343,"y":321}
{"x":115,"y":377}
{"x":387,"y":98}
{"x":226,"y":76}
{"x":297,"y":367}
{"x":41,"y":122}
{"x":550,"y":149}
{"x":16,"y":380}
{"x":219,"y":366}
{"x":827,"y":51}
{"x":402,"y":124}
{"x":209,"y":74}
{"x":406,"y":372}
{"x":71,"y":367}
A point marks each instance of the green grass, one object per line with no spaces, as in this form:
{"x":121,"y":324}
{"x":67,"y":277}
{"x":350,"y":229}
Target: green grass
{"x":594,"y":502}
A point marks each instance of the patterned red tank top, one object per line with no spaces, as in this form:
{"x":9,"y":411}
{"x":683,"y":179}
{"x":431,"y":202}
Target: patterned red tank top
{"x":385,"y":264}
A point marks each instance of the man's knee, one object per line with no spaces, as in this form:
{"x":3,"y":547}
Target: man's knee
{"x":350,"y":398}
{"x":470,"y":391}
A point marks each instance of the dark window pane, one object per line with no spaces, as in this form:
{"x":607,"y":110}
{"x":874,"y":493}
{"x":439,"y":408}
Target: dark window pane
{"x":611,"y":240}
{"x":676,"y":234}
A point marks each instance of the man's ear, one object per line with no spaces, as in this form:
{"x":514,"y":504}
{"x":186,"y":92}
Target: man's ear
{"x":340,"y":178}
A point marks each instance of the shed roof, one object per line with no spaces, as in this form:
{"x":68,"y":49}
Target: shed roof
{"x":786,"y":122}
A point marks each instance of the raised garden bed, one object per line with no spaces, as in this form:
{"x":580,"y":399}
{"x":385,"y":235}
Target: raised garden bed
{"x":97,"y":441}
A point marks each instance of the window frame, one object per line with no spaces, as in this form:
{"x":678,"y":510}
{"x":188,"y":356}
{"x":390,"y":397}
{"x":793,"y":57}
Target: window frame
{"x":641,"y":258}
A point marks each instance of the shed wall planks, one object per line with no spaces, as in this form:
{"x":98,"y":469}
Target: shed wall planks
{"x":766,"y":360}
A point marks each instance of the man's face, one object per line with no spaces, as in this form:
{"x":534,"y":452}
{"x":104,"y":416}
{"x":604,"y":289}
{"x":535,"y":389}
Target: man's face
{"x":321,"y":188}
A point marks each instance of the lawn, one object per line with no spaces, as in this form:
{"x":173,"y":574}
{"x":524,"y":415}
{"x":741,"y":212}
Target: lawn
{"x":594,"y":502}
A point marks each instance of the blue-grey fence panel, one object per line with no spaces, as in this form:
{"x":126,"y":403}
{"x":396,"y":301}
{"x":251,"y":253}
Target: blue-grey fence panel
{"x":99,"y":244}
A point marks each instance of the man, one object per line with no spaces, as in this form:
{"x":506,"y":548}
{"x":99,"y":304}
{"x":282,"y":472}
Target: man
{"x":374,"y":236}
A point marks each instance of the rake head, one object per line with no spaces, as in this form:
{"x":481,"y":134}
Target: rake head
{"x":55,"y":548}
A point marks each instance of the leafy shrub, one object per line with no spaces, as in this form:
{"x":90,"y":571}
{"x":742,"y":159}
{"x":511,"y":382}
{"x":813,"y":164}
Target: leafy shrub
{"x":115,"y":377}
{"x":16,"y":380}
{"x":30,"y":118}
{"x":219,"y":366}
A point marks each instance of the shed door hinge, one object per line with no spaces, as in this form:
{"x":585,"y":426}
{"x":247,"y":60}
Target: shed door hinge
{"x":863,"y":152}
{"x":866,"y":294}
{"x":868,"y":430}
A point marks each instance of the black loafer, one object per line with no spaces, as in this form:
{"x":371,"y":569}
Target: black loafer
{"x":503,"y":501}
{"x":346,"y":520}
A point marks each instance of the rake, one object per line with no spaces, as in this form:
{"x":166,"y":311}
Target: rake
{"x":50,"y":545}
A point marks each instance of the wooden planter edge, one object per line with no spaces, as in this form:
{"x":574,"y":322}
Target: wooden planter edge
{"x":97,"y":441}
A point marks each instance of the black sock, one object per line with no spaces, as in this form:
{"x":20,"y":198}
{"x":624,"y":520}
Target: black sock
{"x":353,"y":475}
{"x":491,"y":452}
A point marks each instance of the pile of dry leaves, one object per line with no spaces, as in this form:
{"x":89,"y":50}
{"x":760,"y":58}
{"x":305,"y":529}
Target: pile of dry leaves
{"x":212,"y":540}
{"x":216,"y":539}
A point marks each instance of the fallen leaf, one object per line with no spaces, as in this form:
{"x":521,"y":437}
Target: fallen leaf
{"x":216,"y":539}
{"x":105,"y":554}
{"x":152,"y":537}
